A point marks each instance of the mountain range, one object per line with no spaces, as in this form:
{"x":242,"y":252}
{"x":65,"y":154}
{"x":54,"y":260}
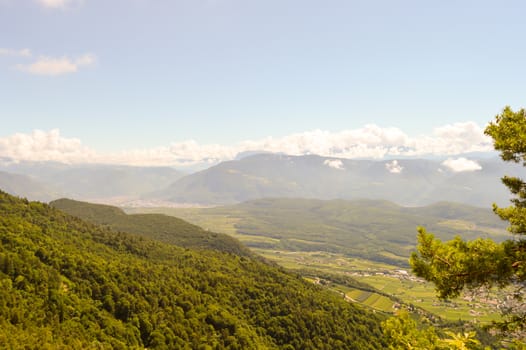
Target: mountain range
{"x":408,"y":182}
{"x":27,"y":186}
{"x":101,"y":182}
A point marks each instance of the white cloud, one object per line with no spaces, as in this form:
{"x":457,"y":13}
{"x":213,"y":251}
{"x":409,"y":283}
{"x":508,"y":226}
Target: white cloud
{"x":52,"y":146}
{"x":15,"y":52}
{"x":334,"y":163}
{"x":393,"y":167}
{"x":373,"y":141}
{"x":370,"y":141}
{"x":183,"y":153}
{"x":452,"y":139}
{"x":57,"y":3}
{"x":57,"y":66}
{"x":461,"y":164}
{"x":41,"y":145}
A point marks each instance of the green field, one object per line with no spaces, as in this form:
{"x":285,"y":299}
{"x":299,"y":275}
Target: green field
{"x":421,"y":294}
{"x":385,"y":279}
{"x":376,"y":301}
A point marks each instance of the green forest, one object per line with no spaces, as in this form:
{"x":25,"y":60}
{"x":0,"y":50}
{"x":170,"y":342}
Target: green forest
{"x":159,"y":227}
{"x":68,"y":284}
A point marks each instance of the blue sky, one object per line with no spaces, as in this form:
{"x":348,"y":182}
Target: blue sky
{"x":118,"y":75}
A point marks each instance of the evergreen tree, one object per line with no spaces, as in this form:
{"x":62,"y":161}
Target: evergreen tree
{"x":455,"y":265}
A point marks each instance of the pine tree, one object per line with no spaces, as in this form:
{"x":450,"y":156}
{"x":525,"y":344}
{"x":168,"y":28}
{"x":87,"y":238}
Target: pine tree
{"x":457,"y":265}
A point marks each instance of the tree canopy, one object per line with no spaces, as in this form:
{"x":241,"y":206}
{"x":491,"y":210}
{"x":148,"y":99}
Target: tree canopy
{"x":68,"y":284}
{"x":457,"y":265}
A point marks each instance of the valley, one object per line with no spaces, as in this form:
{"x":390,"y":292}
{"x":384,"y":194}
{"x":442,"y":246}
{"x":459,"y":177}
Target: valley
{"x":356,"y":250}
{"x":393,"y":287}
{"x":288,"y":232}
{"x":375,"y":230}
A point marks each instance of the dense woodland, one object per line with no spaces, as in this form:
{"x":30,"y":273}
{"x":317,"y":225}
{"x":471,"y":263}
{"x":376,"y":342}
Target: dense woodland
{"x":176,"y":231}
{"x":159,"y":227}
{"x":68,"y":284}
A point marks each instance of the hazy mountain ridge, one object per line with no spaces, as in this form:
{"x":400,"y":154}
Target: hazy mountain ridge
{"x":90,"y":181}
{"x":27,"y":186}
{"x":410,"y":182}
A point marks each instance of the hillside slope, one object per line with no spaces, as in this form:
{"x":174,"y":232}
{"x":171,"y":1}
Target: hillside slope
{"x":66,"y":284}
{"x":154,"y":226}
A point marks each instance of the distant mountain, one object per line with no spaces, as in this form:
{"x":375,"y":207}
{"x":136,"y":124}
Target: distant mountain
{"x":95,"y":181}
{"x":410,"y":182}
{"x":28,"y":187}
{"x":68,"y":284}
{"x":154,"y":226}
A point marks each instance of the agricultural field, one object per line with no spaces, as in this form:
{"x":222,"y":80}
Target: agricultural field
{"x":389,"y":280}
{"x":483,"y":309}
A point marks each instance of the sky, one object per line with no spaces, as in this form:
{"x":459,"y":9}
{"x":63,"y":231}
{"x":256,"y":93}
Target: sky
{"x":171,"y":82}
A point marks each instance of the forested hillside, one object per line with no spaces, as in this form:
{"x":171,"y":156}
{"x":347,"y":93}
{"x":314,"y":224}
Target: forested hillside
{"x":155,"y":226}
{"x":68,"y":284}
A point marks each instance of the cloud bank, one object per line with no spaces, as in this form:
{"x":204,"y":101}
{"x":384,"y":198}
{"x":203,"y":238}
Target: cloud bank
{"x":57,"y":66}
{"x":371,"y":141}
{"x":45,"y":146}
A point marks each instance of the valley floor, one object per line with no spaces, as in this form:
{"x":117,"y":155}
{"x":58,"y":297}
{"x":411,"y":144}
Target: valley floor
{"x":481,"y":308}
